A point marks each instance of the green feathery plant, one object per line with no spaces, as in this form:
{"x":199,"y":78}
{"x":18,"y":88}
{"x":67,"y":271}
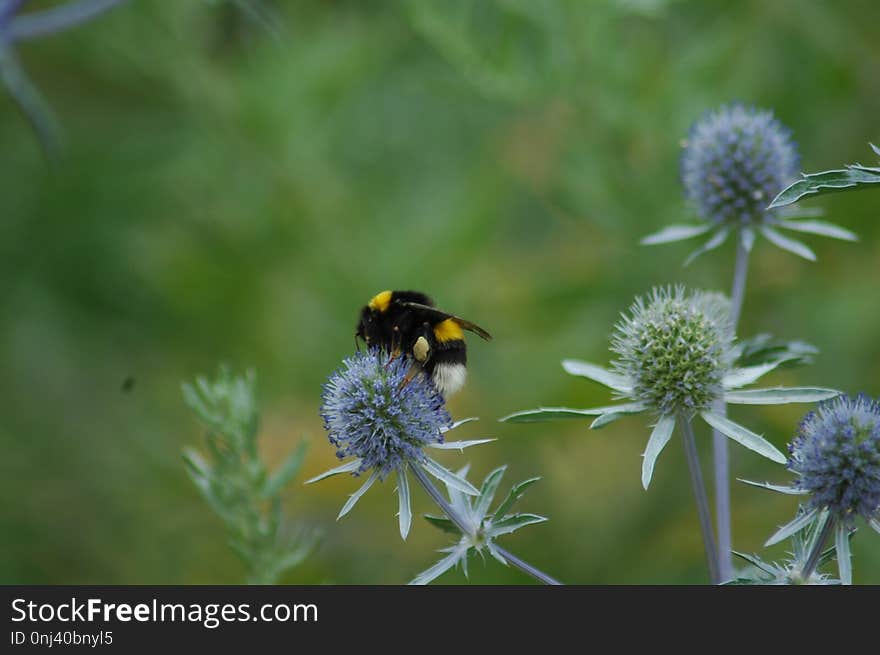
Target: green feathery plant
{"x":235,"y":481}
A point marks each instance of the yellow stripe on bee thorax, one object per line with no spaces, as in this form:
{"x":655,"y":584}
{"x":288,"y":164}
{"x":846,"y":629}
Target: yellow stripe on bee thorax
{"x":380,"y":301}
{"x":448,"y":330}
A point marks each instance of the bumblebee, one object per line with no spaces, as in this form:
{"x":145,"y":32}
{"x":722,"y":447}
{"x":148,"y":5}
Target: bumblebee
{"x":408,"y":323}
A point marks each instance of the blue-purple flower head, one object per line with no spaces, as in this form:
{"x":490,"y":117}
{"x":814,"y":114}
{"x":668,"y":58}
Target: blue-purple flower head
{"x":373,"y":411}
{"x":675,"y":348}
{"x":836,"y":457}
{"x":735,"y":161}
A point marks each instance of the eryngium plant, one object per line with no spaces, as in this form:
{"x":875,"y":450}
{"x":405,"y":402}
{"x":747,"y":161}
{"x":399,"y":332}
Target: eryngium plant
{"x":734,"y":163}
{"x":476,"y":525}
{"x":835,"y":457}
{"x":384,"y":419}
{"x":383,"y":412}
{"x":236,"y":483}
{"x":674,"y":359}
{"x":791,"y":570}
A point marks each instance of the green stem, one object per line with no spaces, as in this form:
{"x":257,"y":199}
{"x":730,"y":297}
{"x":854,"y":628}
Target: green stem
{"x":720,"y":445}
{"x":693,"y":460}
{"x":818,"y":547}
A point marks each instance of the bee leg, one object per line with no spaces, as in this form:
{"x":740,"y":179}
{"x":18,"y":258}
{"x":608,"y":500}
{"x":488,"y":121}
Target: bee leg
{"x":421,"y":352}
{"x":395,"y":345}
{"x":414,"y":369}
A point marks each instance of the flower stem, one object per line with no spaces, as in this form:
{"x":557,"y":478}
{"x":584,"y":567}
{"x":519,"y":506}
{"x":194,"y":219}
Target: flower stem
{"x":465,"y":528}
{"x":720,"y":446}
{"x":693,"y":460}
{"x":818,"y":547}
{"x":738,"y":292}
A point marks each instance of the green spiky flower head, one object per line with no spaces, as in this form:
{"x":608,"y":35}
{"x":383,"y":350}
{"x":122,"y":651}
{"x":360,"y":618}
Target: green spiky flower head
{"x":675,"y":347}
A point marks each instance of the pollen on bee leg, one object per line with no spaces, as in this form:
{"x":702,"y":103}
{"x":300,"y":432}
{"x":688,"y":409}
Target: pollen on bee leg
{"x":421,"y":349}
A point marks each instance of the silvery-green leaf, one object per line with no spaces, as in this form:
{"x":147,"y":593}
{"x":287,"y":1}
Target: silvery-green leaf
{"x":779,"y":395}
{"x":514,"y":522}
{"x":795,"y":525}
{"x":487,"y":491}
{"x":740,"y":377}
{"x":615,"y":412}
{"x":747,"y":237}
{"x":441,"y":567}
{"x":851,"y":177}
{"x":597,"y":374}
{"x":819,"y":227}
{"x":460,"y":502}
{"x":459,"y":423}
{"x":791,"y":245}
{"x":604,"y":419}
{"x":356,"y":496}
{"x":442,"y":523}
{"x":826,"y":556}
{"x":660,"y":436}
{"x":494,"y":552}
{"x":348,"y":467}
{"x":791,"y":491}
{"x":551,"y":413}
{"x":195,"y":463}
{"x":459,"y":445}
{"x":874,"y":148}
{"x":285,"y":472}
{"x":763,"y":348}
{"x":875,"y":523}
{"x":676,"y":233}
{"x":756,"y":562}
{"x":844,"y":558}
{"x":464,"y":563}
{"x":405,"y":512}
{"x":715,"y":241}
{"x":448,"y":477}
{"x":743,"y":436}
{"x":516,"y":492}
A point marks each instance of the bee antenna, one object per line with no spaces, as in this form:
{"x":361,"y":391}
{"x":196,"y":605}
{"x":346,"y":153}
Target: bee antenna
{"x":357,"y":344}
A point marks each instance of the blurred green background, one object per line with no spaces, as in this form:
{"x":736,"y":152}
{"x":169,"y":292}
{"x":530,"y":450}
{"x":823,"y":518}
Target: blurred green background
{"x":227,"y":195}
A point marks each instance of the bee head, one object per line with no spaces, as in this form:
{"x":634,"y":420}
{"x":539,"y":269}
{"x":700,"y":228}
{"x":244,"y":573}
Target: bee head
{"x":367,"y":326}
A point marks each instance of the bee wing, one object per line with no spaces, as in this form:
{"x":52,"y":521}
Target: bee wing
{"x":442,"y":316}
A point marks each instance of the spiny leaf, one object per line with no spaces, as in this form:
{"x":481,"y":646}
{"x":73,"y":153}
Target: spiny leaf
{"x":516,"y":492}
{"x":852,"y":177}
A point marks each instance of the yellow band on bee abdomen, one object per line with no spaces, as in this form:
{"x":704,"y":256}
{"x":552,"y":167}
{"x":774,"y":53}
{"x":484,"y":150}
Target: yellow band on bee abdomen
{"x":448,"y":330}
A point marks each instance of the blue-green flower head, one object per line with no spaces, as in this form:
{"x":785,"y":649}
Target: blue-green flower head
{"x":675,"y":348}
{"x":735,"y":161}
{"x":374,"y":411}
{"x":836,"y":457}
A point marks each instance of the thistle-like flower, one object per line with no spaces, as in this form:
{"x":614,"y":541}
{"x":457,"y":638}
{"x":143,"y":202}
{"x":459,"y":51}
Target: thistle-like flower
{"x":375,"y":412}
{"x":835,"y":457}
{"x":734,"y":163}
{"x":479,"y":526}
{"x":675,"y":357}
